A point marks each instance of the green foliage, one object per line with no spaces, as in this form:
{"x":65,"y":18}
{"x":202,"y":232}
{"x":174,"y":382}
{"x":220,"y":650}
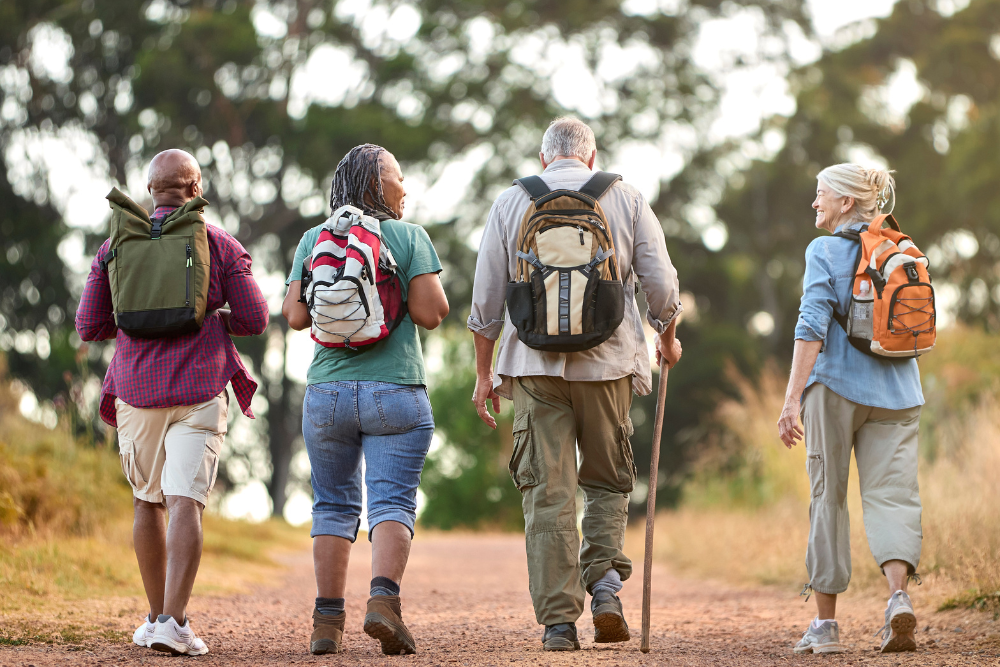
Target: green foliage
{"x":943,"y":149}
{"x":466,"y":480}
{"x":197,"y":75}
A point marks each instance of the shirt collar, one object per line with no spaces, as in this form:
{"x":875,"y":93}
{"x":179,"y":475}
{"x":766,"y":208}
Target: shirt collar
{"x":163,"y":211}
{"x":856,"y":224}
{"x":566,"y":165}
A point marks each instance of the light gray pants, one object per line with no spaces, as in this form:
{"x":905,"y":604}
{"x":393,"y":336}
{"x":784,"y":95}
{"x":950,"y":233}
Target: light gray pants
{"x":885,"y":446}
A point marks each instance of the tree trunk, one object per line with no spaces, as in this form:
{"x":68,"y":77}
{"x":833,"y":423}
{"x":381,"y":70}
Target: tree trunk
{"x":282,"y":426}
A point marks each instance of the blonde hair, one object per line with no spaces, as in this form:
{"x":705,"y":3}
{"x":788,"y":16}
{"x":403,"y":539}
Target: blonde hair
{"x":871,"y":188}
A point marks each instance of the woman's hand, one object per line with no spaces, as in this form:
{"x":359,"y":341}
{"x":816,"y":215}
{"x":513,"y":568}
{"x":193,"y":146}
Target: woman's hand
{"x":788,"y":423}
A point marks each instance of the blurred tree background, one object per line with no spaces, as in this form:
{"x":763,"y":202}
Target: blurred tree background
{"x":270,"y":95}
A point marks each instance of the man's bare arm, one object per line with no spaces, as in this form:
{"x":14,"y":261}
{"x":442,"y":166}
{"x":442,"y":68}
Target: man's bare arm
{"x":484,"y":380}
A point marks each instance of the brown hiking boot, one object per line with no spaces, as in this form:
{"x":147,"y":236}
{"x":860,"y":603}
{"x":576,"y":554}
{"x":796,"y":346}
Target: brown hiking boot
{"x":328,"y":633}
{"x":384,"y":622}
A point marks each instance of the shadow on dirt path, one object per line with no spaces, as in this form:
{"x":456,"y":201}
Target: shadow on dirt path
{"x":465,"y":598}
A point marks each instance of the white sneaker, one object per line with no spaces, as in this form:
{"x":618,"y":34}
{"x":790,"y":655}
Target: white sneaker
{"x":900,"y":625}
{"x":143,"y":635}
{"x":824,"y":639}
{"x":170,"y":637}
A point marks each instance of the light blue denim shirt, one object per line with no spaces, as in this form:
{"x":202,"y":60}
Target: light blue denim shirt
{"x":893,"y":384}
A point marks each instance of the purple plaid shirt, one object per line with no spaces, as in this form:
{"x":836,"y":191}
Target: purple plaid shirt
{"x":188,"y":369}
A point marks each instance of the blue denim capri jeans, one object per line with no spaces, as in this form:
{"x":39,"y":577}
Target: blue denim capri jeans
{"x":391,"y":426}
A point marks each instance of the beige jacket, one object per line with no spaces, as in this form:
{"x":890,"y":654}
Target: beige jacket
{"x":641,"y":251}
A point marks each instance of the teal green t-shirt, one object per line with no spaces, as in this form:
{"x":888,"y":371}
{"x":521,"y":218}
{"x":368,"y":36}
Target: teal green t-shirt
{"x":398,"y":358}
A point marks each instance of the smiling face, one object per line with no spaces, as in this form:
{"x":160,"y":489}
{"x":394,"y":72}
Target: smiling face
{"x":392,"y":184}
{"x":831,"y":209}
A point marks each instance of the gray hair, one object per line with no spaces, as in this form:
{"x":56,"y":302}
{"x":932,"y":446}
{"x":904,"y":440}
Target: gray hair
{"x":872,"y":189}
{"x":569,"y":137}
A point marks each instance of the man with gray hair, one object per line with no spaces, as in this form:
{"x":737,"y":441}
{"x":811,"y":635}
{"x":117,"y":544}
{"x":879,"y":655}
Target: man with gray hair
{"x":572,"y":403}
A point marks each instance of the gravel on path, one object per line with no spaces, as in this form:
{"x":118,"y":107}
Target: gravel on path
{"x":465,"y":599}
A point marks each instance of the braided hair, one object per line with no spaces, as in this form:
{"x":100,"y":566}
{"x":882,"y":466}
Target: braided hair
{"x":358,"y":174}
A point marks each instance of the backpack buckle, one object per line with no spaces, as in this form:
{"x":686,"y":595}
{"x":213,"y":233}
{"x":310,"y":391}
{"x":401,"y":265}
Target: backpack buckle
{"x":911,"y":273}
{"x":157,"y":230}
{"x":107,"y":259}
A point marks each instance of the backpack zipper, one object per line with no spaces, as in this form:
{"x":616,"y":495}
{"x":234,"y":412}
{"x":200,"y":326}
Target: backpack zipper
{"x":187,"y":279}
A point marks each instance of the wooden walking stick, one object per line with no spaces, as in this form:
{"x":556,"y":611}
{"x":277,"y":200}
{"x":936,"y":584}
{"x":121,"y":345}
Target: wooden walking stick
{"x":654,"y":465}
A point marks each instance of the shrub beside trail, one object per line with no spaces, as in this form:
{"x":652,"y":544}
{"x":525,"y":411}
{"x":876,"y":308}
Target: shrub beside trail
{"x":744,"y":514}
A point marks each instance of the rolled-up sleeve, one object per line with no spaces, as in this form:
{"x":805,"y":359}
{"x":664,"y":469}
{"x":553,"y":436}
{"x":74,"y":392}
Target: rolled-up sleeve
{"x":653,"y":267}
{"x":249,"y":307}
{"x":818,"y":294}
{"x":489,"y":291}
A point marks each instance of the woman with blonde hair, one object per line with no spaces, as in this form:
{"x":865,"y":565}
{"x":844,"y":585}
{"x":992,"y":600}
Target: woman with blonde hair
{"x":852,"y":401}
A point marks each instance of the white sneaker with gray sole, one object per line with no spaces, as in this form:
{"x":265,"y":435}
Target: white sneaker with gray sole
{"x":143,"y":635}
{"x":899,"y":631}
{"x":824,"y":639}
{"x":175,"y":639}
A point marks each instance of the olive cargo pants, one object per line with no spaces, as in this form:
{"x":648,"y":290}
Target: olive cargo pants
{"x":552,"y":416}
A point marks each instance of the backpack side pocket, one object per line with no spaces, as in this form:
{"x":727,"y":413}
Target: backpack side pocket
{"x":520,"y":305}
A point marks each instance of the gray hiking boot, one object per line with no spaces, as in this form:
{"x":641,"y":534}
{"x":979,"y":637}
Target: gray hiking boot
{"x":824,"y":639}
{"x":560,"y":637}
{"x":898,"y":633}
{"x":609,"y":620}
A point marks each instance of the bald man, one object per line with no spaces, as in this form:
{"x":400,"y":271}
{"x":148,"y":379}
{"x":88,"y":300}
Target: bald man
{"x":167,"y":397}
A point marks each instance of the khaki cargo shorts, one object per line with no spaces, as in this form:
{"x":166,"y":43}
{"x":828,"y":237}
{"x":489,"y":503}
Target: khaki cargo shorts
{"x":172,"y":451}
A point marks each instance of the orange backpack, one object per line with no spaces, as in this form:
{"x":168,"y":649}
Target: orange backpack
{"x":892,"y":305}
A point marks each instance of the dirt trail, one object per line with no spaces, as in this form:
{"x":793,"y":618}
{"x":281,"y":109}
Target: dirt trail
{"x":465,"y":598}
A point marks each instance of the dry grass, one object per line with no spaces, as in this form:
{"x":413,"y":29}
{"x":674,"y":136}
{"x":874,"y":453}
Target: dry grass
{"x":745,"y":513}
{"x":67,"y":568}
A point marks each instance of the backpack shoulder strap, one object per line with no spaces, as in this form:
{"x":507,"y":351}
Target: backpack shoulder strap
{"x":852,"y":234}
{"x":599,"y":184}
{"x":534,"y":186}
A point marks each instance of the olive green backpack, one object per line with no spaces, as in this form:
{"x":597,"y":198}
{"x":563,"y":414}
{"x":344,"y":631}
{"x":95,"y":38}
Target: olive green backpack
{"x":158,"y":271}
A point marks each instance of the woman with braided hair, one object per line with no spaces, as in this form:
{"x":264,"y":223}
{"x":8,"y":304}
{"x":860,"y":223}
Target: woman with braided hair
{"x":371,"y":402}
{"x":358,"y":182}
{"x":850,"y":401}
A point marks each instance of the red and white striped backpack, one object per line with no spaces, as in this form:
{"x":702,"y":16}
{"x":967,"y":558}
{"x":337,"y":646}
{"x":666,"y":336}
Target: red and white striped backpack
{"x":351,"y":282}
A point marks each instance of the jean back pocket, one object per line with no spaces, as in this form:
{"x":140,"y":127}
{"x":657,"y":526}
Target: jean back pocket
{"x":320,"y":406}
{"x":399,"y":408}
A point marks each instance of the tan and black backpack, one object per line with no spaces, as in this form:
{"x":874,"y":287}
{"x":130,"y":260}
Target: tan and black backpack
{"x":567,"y":294}
{"x":158,"y":269}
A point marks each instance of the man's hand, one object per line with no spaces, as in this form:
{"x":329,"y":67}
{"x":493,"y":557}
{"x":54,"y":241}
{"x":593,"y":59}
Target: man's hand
{"x":788,"y":423}
{"x":483,"y":393}
{"x":668,"y":348}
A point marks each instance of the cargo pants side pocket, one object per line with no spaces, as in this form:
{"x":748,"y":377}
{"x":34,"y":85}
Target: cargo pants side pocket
{"x":522,"y":460}
{"x":627,"y":472}
{"x":130,"y":467}
{"x":817,"y":476}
